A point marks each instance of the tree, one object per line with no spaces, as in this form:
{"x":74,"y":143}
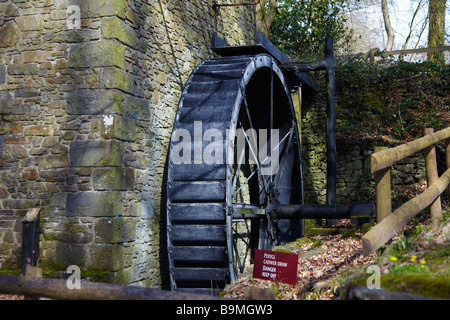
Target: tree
{"x":300,"y":27}
{"x":436,"y":30}
{"x":387,"y":25}
{"x":265,"y":13}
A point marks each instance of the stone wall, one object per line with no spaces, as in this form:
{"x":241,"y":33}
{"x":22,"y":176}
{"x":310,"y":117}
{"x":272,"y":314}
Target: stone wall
{"x":86,"y":117}
{"x":354,"y":180}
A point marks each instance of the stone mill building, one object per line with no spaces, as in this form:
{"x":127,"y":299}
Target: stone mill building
{"x":89,"y":90}
{"x":86,"y":114}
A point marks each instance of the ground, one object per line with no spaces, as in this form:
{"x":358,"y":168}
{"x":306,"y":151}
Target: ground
{"x":321,"y":258}
{"x":328,"y":265}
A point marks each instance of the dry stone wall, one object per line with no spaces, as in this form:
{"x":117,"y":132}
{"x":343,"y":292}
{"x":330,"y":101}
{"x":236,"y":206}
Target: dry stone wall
{"x":85,"y":121}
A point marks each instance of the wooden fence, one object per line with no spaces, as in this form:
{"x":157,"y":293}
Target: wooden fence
{"x":374,"y":52}
{"x":390,"y":223}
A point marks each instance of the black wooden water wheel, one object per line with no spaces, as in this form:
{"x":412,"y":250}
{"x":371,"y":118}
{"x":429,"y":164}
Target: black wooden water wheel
{"x":221,"y":204}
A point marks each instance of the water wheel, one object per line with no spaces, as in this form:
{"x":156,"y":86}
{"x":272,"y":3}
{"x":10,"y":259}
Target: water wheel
{"x":234,"y":158}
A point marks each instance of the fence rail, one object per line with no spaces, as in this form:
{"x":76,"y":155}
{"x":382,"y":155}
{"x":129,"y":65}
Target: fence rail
{"x":389,"y":223}
{"x":374,"y":52}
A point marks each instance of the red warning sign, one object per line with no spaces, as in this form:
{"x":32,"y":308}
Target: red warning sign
{"x":275,"y":266}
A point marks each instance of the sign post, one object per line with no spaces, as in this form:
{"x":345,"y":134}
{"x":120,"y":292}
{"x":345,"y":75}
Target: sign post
{"x":275,"y":266}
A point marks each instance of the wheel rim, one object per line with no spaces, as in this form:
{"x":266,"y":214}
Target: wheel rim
{"x":218,"y":213}
{"x":256,"y":191}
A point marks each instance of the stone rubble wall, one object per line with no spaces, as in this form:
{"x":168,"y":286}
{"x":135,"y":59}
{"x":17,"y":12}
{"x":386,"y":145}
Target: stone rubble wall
{"x":85,"y":123}
{"x":354,"y":180}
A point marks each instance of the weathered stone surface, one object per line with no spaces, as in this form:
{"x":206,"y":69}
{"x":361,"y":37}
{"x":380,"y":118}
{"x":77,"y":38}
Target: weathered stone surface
{"x":72,"y":37}
{"x":54,"y":162}
{"x":114,"y":179}
{"x":2,"y":145}
{"x":9,"y":34}
{"x":119,"y":128}
{"x":115,"y":230}
{"x":5,"y":102}
{"x":93,"y":204}
{"x":100,"y":8}
{"x":97,"y":54}
{"x":115,"y":28}
{"x":26,"y":93}
{"x":36,"y":56}
{"x":39,"y":130}
{"x":23,"y":69}
{"x":9,"y":9}
{"x":95,"y":153}
{"x":114,"y":78}
{"x":106,"y":257}
{"x":2,"y":73}
{"x":92,"y":102}
{"x":33,"y":22}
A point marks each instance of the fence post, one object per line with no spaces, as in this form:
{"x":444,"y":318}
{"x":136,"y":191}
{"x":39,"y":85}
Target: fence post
{"x":30,"y":239}
{"x":432,"y":177}
{"x":383,"y":190}
{"x":447,"y":153}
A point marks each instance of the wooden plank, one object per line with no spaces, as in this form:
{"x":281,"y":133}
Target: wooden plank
{"x":197,"y":235}
{"x":199,"y":255}
{"x":200,"y":274}
{"x":197,"y":191}
{"x":197,"y":212}
{"x":31,"y":215}
{"x":386,"y":158}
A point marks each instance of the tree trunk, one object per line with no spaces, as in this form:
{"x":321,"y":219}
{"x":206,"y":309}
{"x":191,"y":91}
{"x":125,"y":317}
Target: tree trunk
{"x":436,"y":30}
{"x":265,"y":19}
{"x":58,"y":289}
{"x":387,"y":25}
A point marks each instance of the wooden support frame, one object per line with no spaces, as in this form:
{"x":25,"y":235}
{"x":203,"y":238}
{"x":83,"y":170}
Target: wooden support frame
{"x":382,"y":159}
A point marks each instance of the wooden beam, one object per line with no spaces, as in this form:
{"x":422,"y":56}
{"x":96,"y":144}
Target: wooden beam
{"x":432,"y":177}
{"x":383,"y":190}
{"x":386,"y":229}
{"x":386,"y":158}
{"x":58,"y":289}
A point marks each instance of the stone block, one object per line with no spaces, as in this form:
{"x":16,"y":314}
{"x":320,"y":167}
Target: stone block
{"x":10,"y":9}
{"x":54,"y":162}
{"x":119,"y":128}
{"x":26,"y":93}
{"x":97,"y":54}
{"x":9,"y":34}
{"x":95,"y":153}
{"x":93,"y":204}
{"x":23,"y":69}
{"x":71,"y":254}
{"x":2,"y":73}
{"x":114,"y":179}
{"x":106,"y":257}
{"x":38,"y":130}
{"x":100,"y":8}
{"x":5,"y":102}
{"x":2,"y":145}
{"x":115,"y":28}
{"x":115,"y":230}
{"x":33,"y":22}
{"x":114,"y":78}
{"x":84,"y":102}
{"x":36,"y":56}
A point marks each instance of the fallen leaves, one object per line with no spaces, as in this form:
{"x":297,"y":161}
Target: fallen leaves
{"x":314,"y":271}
